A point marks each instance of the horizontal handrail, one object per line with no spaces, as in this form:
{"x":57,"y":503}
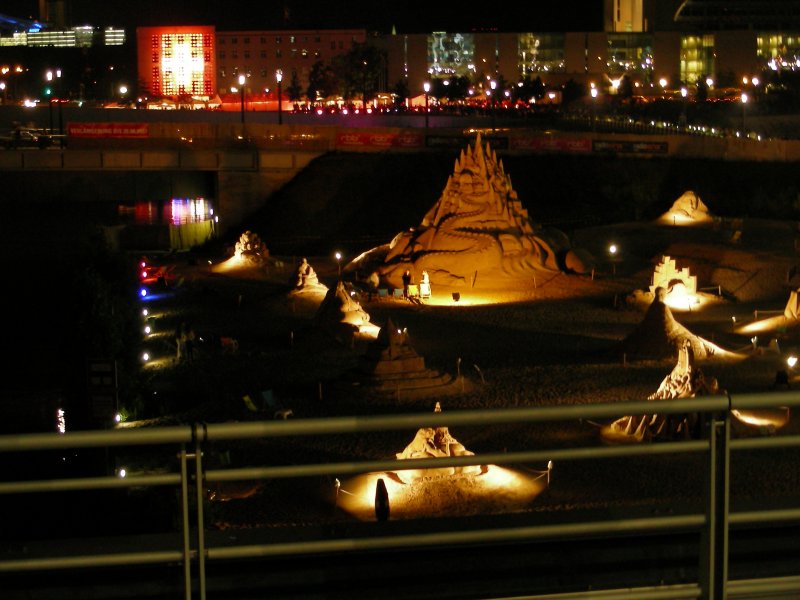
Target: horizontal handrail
{"x":198,"y":434}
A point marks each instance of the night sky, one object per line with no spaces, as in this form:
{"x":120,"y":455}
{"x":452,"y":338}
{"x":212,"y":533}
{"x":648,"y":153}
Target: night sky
{"x":407,"y":17}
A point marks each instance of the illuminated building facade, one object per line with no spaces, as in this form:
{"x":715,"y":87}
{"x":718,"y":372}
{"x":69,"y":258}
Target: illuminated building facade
{"x":259,"y":55}
{"x":177,"y":61}
{"x":76,"y":37}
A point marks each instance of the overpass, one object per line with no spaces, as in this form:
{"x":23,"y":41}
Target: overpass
{"x":244,"y":163}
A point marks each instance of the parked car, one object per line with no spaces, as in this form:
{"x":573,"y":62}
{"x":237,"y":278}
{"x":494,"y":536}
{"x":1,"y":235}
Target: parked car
{"x":26,"y":137}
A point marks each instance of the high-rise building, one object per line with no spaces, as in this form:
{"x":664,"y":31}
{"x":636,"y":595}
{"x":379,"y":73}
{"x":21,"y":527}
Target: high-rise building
{"x":177,"y":61}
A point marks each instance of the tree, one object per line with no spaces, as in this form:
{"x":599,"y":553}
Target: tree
{"x":702,"y":89}
{"x":401,"y":92}
{"x":294,"y":90}
{"x":625,"y":90}
{"x":322,"y":82}
{"x":572,"y":91}
{"x":529,"y":88}
{"x":360,"y":71}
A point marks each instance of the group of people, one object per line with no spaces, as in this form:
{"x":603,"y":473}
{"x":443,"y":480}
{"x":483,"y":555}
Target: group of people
{"x":185,"y":341}
{"x":424,"y":288}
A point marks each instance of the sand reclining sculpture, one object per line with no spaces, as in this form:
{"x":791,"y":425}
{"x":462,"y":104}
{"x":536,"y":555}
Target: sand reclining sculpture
{"x":476,"y":233}
{"x":685,"y":381}
{"x":436,"y":442}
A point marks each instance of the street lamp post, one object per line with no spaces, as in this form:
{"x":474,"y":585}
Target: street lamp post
{"x":49,"y":75}
{"x":339,"y":263}
{"x":427,"y":87}
{"x":493,"y":85}
{"x":684,"y":95}
{"x":279,"y":78}
{"x":744,"y":103}
{"x":594,"y":108}
{"x":242,"y":81}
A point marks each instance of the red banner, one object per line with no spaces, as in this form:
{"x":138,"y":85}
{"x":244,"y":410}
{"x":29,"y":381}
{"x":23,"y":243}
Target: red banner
{"x":108,"y":130}
{"x":542,"y":144}
{"x":379,"y":140}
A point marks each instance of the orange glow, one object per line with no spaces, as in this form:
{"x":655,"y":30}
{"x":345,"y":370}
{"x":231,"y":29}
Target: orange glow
{"x":430,"y":492}
{"x":770,"y":418}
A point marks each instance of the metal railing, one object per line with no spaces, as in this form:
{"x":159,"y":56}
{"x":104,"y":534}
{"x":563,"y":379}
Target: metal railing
{"x":189,"y":440}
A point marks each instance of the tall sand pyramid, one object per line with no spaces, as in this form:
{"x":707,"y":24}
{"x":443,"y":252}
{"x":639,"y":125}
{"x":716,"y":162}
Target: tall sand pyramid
{"x":479,"y":233}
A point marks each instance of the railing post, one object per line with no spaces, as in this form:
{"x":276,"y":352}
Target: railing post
{"x":200,"y":491}
{"x":714,"y":546}
{"x":187,"y":568}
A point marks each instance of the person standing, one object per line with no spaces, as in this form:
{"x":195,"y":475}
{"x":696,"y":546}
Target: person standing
{"x":406,"y":283}
{"x":180,"y":342}
{"x":189,"y":343}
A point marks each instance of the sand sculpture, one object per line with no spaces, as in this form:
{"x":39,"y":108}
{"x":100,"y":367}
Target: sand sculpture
{"x":305,"y":280}
{"x":476,"y":233}
{"x":668,"y":276}
{"x":436,"y":442}
{"x":685,"y":381}
{"x":391,"y":366}
{"x":660,"y":336}
{"x":689,"y":209}
{"x":790,"y":318}
{"x":250,"y":248}
{"x":340,"y":314}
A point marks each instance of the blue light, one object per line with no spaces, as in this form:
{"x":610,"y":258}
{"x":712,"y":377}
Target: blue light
{"x":143,"y":292}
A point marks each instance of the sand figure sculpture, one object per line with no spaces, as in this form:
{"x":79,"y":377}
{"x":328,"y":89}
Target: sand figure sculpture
{"x":250,"y":248}
{"x":306,"y":276}
{"x":685,"y":381}
{"x":436,"y":442}
{"x":660,"y":336}
{"x":391,"y":366}
{"x":689,"y":209}
{"x":340,"y":314}
{"x":478,"y":231}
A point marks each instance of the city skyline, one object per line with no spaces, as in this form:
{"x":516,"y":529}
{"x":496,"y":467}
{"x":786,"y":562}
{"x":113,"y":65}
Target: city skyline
{"x":404,"y":17}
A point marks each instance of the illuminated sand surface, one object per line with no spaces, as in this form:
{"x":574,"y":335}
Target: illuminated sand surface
{"x":554,"y":338}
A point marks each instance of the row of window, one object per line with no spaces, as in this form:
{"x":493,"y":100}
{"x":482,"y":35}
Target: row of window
{"x":264,"y":73}
{"x":263,"y":54}
{"x":221,"y":40}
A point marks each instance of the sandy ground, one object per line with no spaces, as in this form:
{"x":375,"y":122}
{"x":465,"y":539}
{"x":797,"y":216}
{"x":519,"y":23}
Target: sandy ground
{"x":554,"y":340}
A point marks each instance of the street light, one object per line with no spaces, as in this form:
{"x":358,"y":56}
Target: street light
{"x":612,"y":252}
{"x":684,"y":95}
{"x":49,"y":76}
{"x":339,"y":263}
{"x":242,"y":80}
{"x":279,"y":78}
{"x":594,"y":106}
{"x":744,"y":102}
{"x":427,"y":87}
{"x":493,"y":85}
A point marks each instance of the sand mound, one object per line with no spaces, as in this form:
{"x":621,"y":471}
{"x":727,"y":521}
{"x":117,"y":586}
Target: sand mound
{"x":660,"y":336}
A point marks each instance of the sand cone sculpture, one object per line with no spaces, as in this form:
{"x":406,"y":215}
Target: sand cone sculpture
{"x":479,"y":225}
{"x":660,"y":336}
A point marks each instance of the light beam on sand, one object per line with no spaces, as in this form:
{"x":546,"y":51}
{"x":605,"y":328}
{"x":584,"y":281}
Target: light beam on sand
{"x":769,"y":419}
{"x":469,"y":298}
{"x":413,"y":494}
{"x":679,"y":299}
{"x":763,"y":325}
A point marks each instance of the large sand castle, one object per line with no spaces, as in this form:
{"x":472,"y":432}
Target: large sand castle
{"x":477,"y":234}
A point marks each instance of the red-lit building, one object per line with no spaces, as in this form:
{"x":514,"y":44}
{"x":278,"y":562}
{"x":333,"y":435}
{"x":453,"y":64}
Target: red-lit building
{"x":177,"y":61}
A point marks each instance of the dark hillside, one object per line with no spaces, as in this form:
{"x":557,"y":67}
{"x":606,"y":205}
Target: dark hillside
{"x":357,"y":201}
